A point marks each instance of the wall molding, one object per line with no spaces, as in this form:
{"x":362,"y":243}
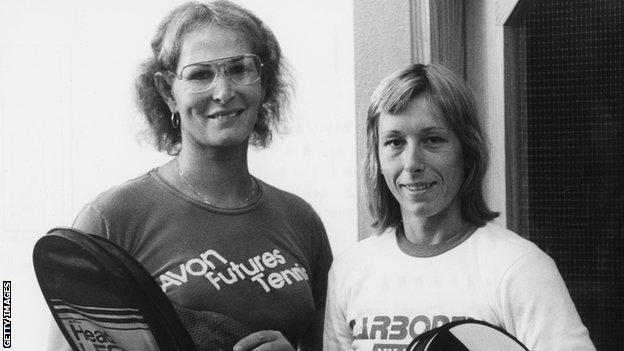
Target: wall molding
{"x":421,"y":31}
{"x":507,"y":10}
{"x":438,"y":33}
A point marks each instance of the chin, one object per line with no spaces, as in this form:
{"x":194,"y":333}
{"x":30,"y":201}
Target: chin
{"x":228,"y":138}
{"x":229,"y":142}
{"x":424,"y":209}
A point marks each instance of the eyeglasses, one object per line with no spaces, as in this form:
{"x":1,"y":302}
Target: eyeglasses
{"x":241,"y":70}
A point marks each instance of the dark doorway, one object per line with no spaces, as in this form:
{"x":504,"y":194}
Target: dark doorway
{"x":566,"y":149}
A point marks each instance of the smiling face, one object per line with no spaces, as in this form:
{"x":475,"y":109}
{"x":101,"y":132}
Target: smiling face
{"x":421,"y":160}
{"x":225,"y":114}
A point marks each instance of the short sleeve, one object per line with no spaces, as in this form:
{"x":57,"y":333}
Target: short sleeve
{"x":91,"y":221}
{"x":322,"y":261}
{"x":537,"y":307}
{"x":320,"y":257}
{"x":336,"y":334}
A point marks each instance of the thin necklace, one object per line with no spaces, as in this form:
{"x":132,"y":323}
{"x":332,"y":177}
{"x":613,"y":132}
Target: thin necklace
{"x":204,"y":198}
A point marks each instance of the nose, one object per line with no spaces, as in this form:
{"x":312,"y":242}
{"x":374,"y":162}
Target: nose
{"x":222,"y":89}
{"x":413,"y":159}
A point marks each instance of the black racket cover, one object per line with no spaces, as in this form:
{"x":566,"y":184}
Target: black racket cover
{"x":210,"y":331}
{"x":103,"y":299}
{"x":466,"y":335}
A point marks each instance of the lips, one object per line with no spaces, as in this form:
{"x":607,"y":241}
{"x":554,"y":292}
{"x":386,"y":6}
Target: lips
{"x":225,"y":114}
{"x":419,"y":186}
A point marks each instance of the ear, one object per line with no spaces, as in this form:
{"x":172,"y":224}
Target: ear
{"x":164,"y":83}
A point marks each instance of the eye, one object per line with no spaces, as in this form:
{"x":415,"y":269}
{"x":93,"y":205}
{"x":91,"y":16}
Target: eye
{"x":393,"y":142}
{"x":199,"y":73}
{"x":237,"y":68}
{"x":434,"y":140}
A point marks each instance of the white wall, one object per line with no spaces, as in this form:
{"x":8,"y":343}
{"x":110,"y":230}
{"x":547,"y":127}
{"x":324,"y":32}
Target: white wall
{"x":382,"y":33}
{"x":68,"y":126}
{"x":485,"y":73}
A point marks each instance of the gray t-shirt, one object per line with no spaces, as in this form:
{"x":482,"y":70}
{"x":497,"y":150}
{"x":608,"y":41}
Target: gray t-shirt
{"x":264,"y":264}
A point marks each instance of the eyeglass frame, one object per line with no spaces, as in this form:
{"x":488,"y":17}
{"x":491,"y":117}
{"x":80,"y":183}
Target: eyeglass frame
{"x":221,"y":69}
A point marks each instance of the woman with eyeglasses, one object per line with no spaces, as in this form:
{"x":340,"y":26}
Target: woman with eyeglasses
{"x":213,"y":236}
{"x":437,"y":256}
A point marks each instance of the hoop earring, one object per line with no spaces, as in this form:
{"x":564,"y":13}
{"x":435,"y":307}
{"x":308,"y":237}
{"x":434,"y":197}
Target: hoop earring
{"x":175,"y":120}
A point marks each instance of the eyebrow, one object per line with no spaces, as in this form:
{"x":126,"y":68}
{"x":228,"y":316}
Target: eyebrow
{"x":392,"y":132}
{"x":436,"y":129}
{"x":219,"y":60}
{"x":389,"y":133}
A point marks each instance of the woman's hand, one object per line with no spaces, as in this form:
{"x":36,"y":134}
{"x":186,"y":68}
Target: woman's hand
{"x":264,"y":340}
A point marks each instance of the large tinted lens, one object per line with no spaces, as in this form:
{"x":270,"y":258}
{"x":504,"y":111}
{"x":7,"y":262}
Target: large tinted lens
{"x":243,"y":70}
{"x":199,"y":76}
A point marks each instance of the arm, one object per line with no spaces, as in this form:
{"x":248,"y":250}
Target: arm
{"x":313,"y":339}
{"x":336,"y":334}
{"x":537,"y":307}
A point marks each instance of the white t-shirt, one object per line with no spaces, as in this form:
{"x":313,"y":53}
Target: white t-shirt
{"x":383,"y":294}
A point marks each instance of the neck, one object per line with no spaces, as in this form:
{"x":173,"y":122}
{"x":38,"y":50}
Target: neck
{"x":434,"y":229}
{"x":220,"y":175}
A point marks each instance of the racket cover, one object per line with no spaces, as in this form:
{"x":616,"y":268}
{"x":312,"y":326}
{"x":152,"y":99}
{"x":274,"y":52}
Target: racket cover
{"x":466,"y":335}
{"x":103,"y":299}
{"x":210,"y":331}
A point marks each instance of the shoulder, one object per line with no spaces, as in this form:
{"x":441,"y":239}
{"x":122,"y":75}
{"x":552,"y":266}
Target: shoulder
{"x":129,"y":189}
{"x":504,"y":250}
{"x":132,"y":192}
{"x":285,"y":201}
{"x":129,"y":199}
{"x":291,"y":212}
{"x":495,"y":237}
{"x":287,"y":209}
{"x":116,"y":206}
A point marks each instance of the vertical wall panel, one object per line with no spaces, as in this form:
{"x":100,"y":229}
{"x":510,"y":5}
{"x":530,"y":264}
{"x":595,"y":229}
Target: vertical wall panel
{"x":382,"y":40}
{"x":447,"y":34}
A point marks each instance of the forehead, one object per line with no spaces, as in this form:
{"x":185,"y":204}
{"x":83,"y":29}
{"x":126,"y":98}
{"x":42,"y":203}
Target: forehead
{"x":419,"y":114}
{"x":210,"y":43}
